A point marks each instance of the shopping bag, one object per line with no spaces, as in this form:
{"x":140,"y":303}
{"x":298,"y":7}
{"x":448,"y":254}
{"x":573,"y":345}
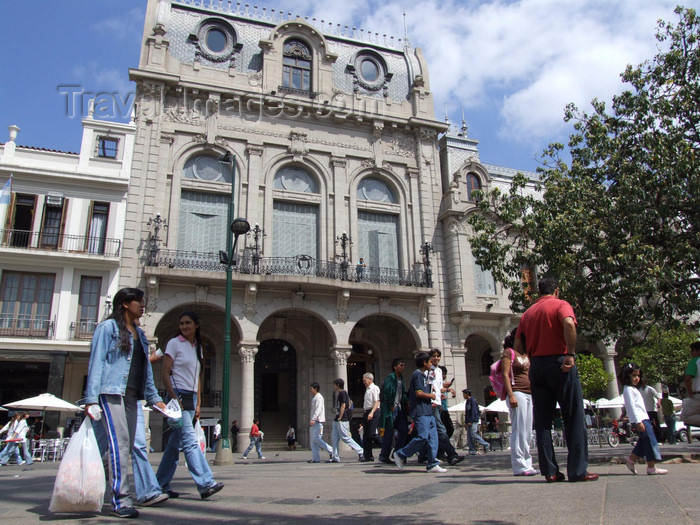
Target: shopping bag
{"x":80,"y":481}
{"x":201,"y":438}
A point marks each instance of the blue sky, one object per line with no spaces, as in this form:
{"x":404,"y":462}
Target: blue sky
{"x":511,"y":65}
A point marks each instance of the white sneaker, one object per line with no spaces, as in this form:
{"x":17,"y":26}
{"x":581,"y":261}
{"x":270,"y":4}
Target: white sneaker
{"x":656,"y":471}
{"x":262,"y":457}
{"x":21,"y":463}
{"x":399,"y":461}
{"x":437,"y":469}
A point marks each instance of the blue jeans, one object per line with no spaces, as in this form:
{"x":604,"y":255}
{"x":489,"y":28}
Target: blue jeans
{"x":341,"y":430}
{"x":254,"y":442}
{"x":9,"y":449}
{"x":145,"y":481}
{"x":647,"y":447}
{"x":317,"y":443}
{"x":426,"y":431}
{"x":184,"y":437}
{"x":473,"y":438}
{"x":670,"y":428}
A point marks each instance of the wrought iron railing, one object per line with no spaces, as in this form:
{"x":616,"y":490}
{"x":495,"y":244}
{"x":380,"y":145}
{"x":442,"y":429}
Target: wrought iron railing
{"x":300,"y":265}
{"x":53,"y":241}
{"x":26,"y":327}
{"x":82,"y":330}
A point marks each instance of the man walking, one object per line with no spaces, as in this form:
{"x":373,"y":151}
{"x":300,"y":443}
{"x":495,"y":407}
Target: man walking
{"x":393,"y":402}
{"x":420,"y":396}
{"x":669,"y":417}
{"x":318,"y":418}
{"x":547,"y":331}
{"x":471,"y":419}
{"x":369,"y":421}
{"x":341,"y":422}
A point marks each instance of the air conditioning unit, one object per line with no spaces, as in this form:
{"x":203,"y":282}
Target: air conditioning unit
{"x":54,"y":200}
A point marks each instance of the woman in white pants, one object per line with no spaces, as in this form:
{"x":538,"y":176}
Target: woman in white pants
{"x":516,"y":382}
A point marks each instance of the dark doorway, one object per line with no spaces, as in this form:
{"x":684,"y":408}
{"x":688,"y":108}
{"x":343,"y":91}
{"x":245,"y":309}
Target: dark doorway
{"x":21,"y":380}
{"x":275,"y":388}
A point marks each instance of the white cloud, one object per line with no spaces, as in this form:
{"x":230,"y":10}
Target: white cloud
{"x":126,"y":26}
{"x":529,"y":58}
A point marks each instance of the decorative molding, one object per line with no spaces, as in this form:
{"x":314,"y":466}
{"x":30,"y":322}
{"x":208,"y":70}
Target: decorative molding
{"x":384,"y":304}
{"x":369,"y":163}
{"x":462,"y":321}
{"x":254,"y":151}
{"x":412,"y":173}
{"x":338,"y":162}
{"x":457,"y":290}
{"x":199,"y":138}
{"x":401,"y":146}
{"x":342,"y":305}
{"x":377,"y":128}
{"x":424,"y":309}
{"x":297,"y":299}
{"x":251,"y":292}
{"x":200,"y":293}
{"x":255,"y":79}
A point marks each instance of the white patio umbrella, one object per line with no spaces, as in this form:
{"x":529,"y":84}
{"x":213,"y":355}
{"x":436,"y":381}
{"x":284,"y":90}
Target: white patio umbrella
{"x":459,"y":407}
{"x":677,"y":403}
{"x":44,"y":402}
{"x":498,"y":406}
{"x":615,"y":402}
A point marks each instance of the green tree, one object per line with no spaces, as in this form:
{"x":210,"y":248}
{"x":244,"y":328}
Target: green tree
{"x":664,"y":355}
{"x":593,"y":376}
{"x":620,"y":225}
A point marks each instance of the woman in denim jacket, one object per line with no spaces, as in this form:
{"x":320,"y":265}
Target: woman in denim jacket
{"x":119,"y":374}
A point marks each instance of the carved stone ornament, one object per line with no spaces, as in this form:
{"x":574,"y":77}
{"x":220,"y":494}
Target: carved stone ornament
{"x":255,"y":79}
{"x":340,"y":357}
{"x":200,"y":294}
{"x":298,"y":146}
{"x":200,"y":138}
{"x":369,"y":163}
{"x":159,"y":30}
{"x":247,"y":353}
{"x":254,"y":151}
{"x":462,"y":321}
{"x":384,"y":304}
{"x":424,"y":309}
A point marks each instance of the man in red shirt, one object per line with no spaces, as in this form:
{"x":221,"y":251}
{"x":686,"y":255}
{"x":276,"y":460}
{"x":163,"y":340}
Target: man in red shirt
{"x":547,"y":331}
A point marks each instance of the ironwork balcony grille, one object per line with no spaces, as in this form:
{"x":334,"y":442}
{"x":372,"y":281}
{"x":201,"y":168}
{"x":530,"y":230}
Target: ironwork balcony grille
{"x":51,"y":241}
{"x":41,"y":327}
{"x":82,"y":330}
{"x":303,"y":265}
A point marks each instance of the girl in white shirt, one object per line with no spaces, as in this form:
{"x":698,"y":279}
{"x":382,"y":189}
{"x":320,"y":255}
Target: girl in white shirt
{"x":647,"y":447}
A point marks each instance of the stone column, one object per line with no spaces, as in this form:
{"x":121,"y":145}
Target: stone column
{"x":607,"y":354}
{"x":247,"y":352}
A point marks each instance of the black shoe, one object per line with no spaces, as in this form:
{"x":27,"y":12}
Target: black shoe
{"x":421,"y":461}
{"x":154,"y":500}
{"x":366,"y":460}
{"x":172,"y":494}
{"x":454,"y":460}
{"x":125,"y":512}
{"x":385,"y":460}
{"x":312,"y":461}
{"x":216,"y":487}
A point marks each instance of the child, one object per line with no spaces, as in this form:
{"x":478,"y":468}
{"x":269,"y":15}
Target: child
{"x":647,"y":446}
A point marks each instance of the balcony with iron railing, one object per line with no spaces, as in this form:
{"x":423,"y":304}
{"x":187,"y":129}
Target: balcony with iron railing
{"x":59,"y":242}
{"x":82,"y":330}
{"x":301,"y":265}
{"x":38,"y":328}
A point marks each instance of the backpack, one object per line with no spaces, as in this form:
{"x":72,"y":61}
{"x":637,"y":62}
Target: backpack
{"x":350,"y":406}
{"x":496,"y":376}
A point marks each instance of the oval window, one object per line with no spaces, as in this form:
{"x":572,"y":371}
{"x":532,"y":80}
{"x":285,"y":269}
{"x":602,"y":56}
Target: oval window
{"x":369,"y":70}
{"x":216,"y":40}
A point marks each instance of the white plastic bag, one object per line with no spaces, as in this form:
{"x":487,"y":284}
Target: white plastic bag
{"x":201,"y":438}
{"x":80,"y":481}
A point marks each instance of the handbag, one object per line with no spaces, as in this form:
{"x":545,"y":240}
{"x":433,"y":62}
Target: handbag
{"x":186,"y":400}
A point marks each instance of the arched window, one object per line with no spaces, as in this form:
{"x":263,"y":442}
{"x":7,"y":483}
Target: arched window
{"x":297,"y":59}
{"x":206,"y":168}
{"x":473,"y":184}
{"x":295,"y":222}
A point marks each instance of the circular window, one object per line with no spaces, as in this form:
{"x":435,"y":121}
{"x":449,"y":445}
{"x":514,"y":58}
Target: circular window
{"x":375,"y":190}
{"x":370,"y":70}
{"x":216,"y":40}
{"x":206,"y":168}
{"x":292,"y":178}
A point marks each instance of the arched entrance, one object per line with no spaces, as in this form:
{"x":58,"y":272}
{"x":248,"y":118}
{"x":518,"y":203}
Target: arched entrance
{"x":275,"y":388}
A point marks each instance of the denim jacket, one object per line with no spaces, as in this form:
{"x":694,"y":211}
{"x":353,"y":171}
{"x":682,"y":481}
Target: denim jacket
{"x":109,"y":366}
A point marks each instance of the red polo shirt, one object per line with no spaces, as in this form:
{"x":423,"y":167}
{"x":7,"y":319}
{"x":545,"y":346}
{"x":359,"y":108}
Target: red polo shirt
{"x":542,"y":326}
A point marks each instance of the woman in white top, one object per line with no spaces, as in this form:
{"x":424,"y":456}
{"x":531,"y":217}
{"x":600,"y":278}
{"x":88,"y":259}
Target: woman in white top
{"x":182,"y":378}
{"x":647,"y":446}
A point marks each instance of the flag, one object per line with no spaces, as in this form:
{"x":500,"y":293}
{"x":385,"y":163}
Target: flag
{"x":6,"y":192}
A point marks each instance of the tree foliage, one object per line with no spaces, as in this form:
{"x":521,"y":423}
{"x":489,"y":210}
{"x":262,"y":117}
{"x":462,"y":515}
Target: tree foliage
{"x":620,"y":225}
{"x":664,"y":355}
{"x":593,"y":376}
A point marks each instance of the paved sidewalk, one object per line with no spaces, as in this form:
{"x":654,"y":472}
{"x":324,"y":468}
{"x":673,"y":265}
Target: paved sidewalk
{"x":285,"y":489}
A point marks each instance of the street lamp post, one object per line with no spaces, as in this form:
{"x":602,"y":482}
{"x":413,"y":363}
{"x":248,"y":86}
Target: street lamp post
{"x":344,"y":242}
{"x":157,"y":222}
{"x":426,"y":250}
{"x":236,"y":227}
{"x":258,"y":233}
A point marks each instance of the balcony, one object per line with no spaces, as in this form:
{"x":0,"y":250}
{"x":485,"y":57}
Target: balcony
{"x":40,"y":328}
{"x":82,"y":330}
{"x":62,"y":243}
{"x":301,"y":265}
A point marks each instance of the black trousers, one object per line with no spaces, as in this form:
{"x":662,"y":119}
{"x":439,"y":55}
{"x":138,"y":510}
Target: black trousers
{"x":370,"y":429}
{"x":549,"y":385}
